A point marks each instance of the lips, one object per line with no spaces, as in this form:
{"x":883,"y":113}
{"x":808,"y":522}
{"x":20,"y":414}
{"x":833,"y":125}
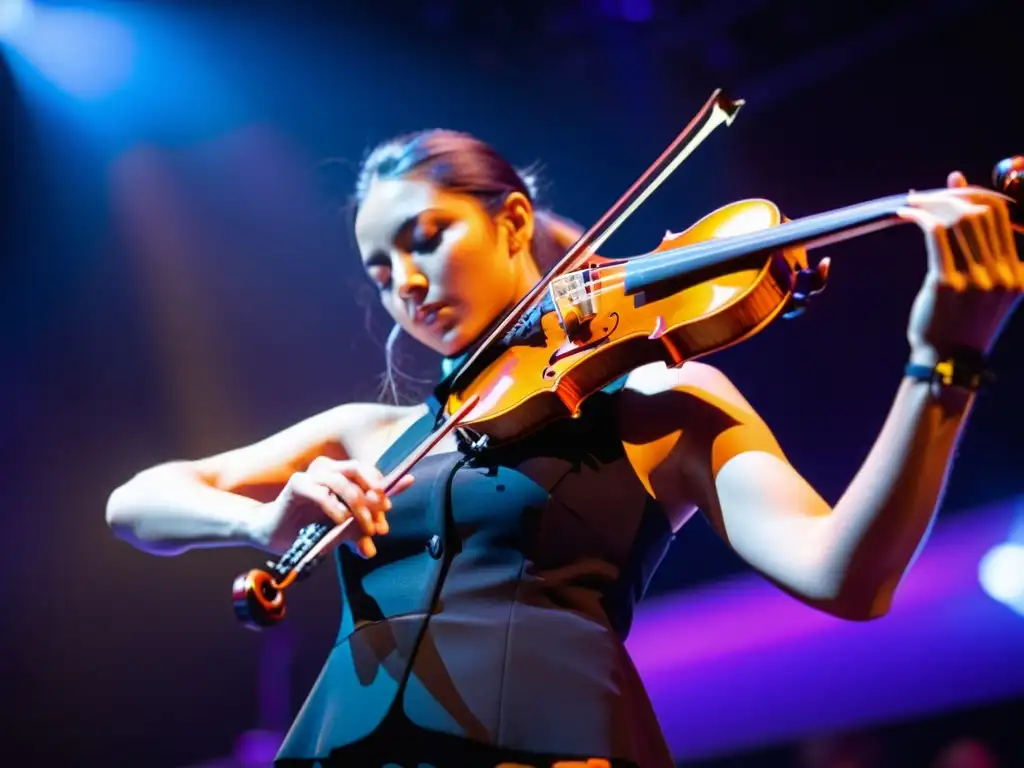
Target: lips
{"x":427,"y":314}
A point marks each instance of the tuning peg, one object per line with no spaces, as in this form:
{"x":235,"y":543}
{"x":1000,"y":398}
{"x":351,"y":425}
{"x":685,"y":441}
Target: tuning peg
{"x":1008,"y":178}
{"x":807,"y":284}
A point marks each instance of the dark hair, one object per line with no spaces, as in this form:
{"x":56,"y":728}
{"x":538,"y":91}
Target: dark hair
{"x":460,"y":162}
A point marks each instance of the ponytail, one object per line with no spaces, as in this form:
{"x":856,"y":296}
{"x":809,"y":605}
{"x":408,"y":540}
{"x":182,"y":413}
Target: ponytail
{"x":552,"y":237}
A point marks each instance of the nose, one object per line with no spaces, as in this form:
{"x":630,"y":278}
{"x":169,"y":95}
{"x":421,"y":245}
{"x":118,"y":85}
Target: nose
{"x":412,"y":284}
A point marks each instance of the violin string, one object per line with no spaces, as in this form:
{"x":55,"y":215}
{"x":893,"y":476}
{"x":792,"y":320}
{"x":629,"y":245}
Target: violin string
{"x":614,"y":282}
{"x":612,"y":277}
{"x":787,"y":234}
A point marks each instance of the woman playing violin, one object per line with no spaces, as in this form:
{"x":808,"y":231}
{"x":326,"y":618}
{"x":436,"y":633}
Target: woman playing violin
{"x":485,"y":602}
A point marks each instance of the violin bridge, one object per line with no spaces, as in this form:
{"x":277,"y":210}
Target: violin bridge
{"x":575,"y":302}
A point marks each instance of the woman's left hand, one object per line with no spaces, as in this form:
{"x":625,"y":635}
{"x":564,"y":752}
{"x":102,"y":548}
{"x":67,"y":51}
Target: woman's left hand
{"x":974,"y":279}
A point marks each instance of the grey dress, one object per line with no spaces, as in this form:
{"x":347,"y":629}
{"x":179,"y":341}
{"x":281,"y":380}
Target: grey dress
{"x":490,"y":625}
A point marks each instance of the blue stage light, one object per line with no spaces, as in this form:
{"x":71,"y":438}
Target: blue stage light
{"x":14,"y":15}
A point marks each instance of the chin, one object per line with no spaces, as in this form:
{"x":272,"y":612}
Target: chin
{"x":455,"y":341}
{"x":452,"y":344}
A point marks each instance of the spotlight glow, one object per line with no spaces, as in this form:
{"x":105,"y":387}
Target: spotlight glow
{"x":84,"y":53}
{"x":1001,"y":573}
{"x":13,"y":14}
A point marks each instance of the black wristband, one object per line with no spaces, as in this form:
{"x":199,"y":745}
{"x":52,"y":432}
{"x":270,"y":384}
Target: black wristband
{"x":964,"y":369}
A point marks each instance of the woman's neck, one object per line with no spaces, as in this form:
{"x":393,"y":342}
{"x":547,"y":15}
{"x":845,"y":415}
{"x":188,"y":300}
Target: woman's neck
{"x":528,"y":276}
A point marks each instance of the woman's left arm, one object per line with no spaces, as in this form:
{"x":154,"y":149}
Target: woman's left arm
{"x":696,"y":442}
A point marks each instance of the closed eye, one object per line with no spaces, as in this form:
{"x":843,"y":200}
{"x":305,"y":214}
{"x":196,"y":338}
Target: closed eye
{"x":427,"y":243}
{"x":378,"y":267}
{"x":417,"y":234}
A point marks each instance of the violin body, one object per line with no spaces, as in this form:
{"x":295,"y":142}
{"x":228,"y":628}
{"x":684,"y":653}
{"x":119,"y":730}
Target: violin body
{"x":591,"y":330}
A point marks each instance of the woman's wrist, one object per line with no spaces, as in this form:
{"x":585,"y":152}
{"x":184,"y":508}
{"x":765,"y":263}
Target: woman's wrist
{"x":951,"y":378}
{"x":959,"y":367}
{"x":923,"y":355}
{"x":256,"y":530}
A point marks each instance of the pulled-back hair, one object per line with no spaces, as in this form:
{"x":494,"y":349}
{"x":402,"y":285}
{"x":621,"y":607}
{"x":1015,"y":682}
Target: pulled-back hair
{"x":461,"y":163}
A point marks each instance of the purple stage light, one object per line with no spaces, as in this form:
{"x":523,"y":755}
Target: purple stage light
{"x":636,"y":10}
{"x":740,"y":665}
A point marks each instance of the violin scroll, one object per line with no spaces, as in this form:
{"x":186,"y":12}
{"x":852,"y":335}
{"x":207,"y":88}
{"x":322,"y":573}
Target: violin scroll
{"x":1008,"y":178}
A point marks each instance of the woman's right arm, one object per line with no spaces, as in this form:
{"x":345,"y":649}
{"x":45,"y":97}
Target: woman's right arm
{"x":224,"y":500}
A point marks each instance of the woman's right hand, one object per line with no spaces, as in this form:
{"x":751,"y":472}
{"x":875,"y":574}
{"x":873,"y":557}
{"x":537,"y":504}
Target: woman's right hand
{"x":328,"y":491}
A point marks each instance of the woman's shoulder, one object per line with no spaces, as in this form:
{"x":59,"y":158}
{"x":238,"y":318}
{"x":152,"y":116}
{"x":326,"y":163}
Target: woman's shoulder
{"x":655,"y":378}
{"x":699,"y":383}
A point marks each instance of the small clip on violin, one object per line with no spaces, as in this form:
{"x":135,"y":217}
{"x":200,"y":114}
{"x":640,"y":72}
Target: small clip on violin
{"x":591,"y":320}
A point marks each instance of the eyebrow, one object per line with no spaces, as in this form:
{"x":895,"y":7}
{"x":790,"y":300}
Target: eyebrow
{"x":379,"y":257}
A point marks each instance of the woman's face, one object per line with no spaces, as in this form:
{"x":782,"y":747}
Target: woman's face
{"x":446,"y":269}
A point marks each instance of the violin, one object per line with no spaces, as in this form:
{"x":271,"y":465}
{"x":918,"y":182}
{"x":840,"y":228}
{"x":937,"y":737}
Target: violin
{"x":593,"y":319}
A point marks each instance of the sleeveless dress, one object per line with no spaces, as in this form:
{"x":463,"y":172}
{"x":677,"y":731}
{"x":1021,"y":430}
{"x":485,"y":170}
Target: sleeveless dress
{"x":489,"y":627}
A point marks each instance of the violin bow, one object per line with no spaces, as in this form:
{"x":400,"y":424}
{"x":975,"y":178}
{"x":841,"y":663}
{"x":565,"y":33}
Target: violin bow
{"x":719,"y":109}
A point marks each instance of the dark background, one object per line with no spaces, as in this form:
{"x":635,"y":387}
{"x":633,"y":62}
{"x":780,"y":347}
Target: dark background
{"x":176,"y":280}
